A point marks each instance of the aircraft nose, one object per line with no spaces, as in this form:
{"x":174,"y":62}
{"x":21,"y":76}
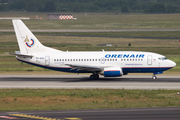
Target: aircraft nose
{"x":173,"y":64}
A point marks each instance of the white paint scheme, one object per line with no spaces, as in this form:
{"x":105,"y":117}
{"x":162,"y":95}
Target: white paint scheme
{"x":107,"y":63}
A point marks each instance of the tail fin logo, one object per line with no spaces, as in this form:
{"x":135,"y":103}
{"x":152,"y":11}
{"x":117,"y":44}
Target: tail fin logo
{"x":29,"y":43}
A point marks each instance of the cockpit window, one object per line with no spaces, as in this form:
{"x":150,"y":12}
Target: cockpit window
{"x":162,"y":58}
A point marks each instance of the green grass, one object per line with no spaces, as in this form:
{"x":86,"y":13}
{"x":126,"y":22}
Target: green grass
{"x":161,"y":34}
{"x":168,"y":47}
{"x":97,"y":21}
{"x":61,"y":99}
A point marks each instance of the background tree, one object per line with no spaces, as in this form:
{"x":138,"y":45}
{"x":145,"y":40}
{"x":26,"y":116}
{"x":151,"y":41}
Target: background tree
{"x":50,"y":7}
{"x":149,"y":6}
{"x":124,"y":9}
{"x":158,"y":8}
{"x":4,"y":7}
{"x":32,"y":6}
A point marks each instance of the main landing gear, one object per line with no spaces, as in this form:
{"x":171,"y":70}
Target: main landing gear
{"x":94,"y":77}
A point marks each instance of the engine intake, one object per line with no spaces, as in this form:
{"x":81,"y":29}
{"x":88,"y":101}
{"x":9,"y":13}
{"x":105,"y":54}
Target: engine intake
{"x":112,"y":72}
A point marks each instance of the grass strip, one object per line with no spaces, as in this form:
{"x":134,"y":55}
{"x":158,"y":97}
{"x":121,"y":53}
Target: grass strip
{"x":64,"y":99}
{"x":136,"y":34}
{"x":96,"y":21}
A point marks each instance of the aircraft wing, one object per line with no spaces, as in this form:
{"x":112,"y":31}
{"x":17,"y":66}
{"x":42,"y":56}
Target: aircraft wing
{"x":85,"y":67}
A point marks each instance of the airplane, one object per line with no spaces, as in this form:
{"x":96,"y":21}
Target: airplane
{"x":106,"y":63}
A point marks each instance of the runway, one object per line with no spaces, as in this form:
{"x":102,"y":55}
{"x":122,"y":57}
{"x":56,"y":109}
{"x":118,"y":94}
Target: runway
{"x":83,"y":82}
{"x":164,"y":113}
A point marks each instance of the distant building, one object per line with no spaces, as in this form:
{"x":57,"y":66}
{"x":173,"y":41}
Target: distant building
{"x":59,"y":16}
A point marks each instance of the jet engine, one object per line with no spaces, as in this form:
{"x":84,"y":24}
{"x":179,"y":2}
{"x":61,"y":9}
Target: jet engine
{"x":112,"y":72}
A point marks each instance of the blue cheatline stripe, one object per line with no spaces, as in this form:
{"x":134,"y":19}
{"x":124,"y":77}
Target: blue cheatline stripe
{"x":125,"y":70}
{"x":145,"y":70}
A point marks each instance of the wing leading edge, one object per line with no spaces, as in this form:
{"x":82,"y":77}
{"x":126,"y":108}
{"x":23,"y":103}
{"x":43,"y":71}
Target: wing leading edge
{"x":85,"y":67}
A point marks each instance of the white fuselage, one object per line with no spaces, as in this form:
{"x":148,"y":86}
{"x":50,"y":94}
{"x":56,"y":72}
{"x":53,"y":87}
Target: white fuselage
{"x":129,"y":61}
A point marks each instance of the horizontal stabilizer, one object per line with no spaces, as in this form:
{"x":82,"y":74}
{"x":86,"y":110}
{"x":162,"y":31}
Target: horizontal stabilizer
{"x":17,"y":53}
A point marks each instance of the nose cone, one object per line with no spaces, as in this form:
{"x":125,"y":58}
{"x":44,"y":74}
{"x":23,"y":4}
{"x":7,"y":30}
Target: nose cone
{"x":172,"y":63}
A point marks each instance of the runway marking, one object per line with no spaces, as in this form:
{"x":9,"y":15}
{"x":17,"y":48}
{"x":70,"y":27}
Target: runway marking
{"x":7,"y":117}
{"x":72,"y":118}
{"x":42,"y":118}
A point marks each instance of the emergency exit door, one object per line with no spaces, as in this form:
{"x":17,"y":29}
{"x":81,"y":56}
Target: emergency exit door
{"x":149,"y":60}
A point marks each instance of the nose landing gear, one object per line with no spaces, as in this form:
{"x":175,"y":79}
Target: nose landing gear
{"x":154,"y":74}
{"x":154,"y":77}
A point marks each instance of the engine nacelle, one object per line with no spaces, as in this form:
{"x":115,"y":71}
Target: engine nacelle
{"x":112,"y":72}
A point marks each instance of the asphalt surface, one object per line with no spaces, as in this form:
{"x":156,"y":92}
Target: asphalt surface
{"x":90,"y":30}
{"x":164,"y":113}
{"x":83,"y":82}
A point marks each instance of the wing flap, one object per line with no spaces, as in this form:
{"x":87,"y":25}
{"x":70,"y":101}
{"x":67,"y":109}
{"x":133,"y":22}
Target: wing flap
{"x":86,"y":68}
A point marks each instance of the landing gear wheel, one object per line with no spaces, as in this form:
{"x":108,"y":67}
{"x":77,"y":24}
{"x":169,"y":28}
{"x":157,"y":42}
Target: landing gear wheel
{"x":94,"y":77}
{"x":91,"y":77}
{"x":154,"y":77}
